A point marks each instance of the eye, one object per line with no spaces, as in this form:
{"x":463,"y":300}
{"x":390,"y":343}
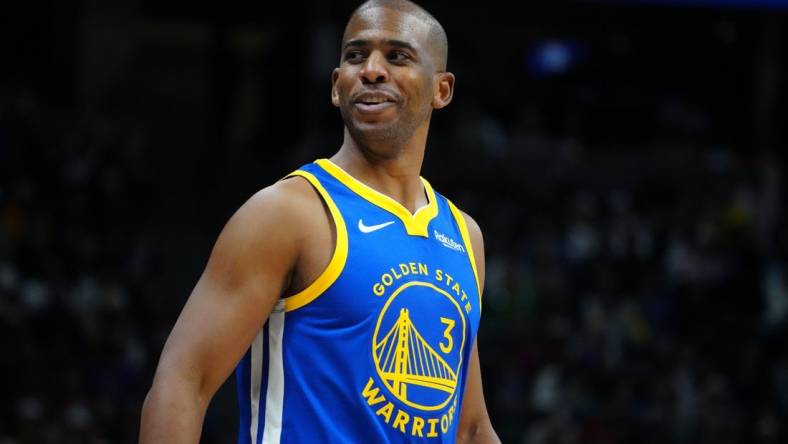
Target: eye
{"x":399,"y":56}
{"x":354,"y":56}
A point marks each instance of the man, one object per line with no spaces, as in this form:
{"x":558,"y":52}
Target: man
{"x":366,"y":283}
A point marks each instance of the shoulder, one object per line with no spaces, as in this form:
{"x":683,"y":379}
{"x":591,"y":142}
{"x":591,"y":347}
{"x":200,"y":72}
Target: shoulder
{"x":277,"y":216}
{"x":266,"y":235}
{"x":474,"y":231}
{"x":286,"y":194}
{"x":287,"y":200}
{"x":476,"y":242}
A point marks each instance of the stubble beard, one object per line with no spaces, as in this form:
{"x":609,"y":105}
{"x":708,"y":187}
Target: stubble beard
{"x":383,"y":140}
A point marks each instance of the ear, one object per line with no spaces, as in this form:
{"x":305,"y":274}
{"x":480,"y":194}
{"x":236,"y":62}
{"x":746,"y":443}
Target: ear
{"x":334,"y":92}
{"x":444,"y":90}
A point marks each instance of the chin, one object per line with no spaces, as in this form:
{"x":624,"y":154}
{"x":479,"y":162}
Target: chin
{"x":378,"y":132}
{"x":385,"y":142}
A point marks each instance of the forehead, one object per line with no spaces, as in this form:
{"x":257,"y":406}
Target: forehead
{"x":385,"y":23}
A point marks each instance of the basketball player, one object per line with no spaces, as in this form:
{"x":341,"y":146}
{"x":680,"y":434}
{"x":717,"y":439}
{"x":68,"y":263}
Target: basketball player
{"x":347,"y":296}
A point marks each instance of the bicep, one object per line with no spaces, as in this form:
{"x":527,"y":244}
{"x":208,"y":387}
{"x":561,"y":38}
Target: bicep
{"x":243,"y":280}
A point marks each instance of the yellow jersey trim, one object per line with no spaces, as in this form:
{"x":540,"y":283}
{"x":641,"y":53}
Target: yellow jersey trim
{"x":416,"y":224}
{"x":466,"y":239}
{"x":337,"y":263}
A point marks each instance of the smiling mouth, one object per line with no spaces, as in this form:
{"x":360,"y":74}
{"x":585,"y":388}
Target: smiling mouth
{"x":374,"y":100}
{"x":371,"y":100}
{"x":373,"y":105}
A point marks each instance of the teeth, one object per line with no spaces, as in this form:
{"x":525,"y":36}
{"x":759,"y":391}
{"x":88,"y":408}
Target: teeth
{"x":372,"y":101}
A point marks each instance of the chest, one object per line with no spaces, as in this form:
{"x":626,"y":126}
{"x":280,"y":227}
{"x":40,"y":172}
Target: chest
{"x":392,"y":284}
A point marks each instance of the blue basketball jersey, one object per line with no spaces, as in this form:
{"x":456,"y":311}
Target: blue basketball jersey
{"x":376,"y":349}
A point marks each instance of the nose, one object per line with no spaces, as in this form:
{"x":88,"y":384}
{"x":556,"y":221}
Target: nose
{"x":374,"y":69}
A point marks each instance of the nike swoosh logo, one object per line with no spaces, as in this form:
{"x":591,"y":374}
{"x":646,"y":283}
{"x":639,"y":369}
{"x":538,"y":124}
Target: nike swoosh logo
{"x":370,"y":228}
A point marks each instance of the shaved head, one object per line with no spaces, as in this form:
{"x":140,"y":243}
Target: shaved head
{"x":437,"y":42}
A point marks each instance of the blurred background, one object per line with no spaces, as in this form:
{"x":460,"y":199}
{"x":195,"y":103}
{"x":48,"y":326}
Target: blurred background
{"x":625,"y":160}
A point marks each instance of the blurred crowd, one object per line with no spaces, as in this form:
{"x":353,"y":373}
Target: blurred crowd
{"x":637,"y":276}
{"x":77,"y":276}
{"x":633,"y":295}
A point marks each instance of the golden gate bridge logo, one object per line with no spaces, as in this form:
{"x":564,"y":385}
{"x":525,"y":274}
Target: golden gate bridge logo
{"x":405,"y":359}
{"x":410,"y":360}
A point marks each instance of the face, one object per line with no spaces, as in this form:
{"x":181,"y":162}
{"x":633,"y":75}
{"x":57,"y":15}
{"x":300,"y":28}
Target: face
{"x":387,"y":83}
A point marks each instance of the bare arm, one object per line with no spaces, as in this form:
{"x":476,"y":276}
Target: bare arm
{"x":247,"y":272}
{"x":475,"y":426}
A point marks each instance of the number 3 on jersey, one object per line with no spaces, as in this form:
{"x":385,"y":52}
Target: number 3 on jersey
{"x":446,"y":348}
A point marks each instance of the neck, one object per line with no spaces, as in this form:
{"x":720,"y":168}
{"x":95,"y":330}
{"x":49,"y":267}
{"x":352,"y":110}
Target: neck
{"x":391,"y":170}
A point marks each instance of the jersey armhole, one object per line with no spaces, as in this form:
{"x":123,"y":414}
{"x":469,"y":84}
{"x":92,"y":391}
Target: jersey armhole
{"x":338,"y":259}
{"x":466,"y":239}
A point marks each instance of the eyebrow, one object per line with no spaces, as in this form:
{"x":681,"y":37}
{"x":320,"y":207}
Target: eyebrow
{"x":390,"y":42}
